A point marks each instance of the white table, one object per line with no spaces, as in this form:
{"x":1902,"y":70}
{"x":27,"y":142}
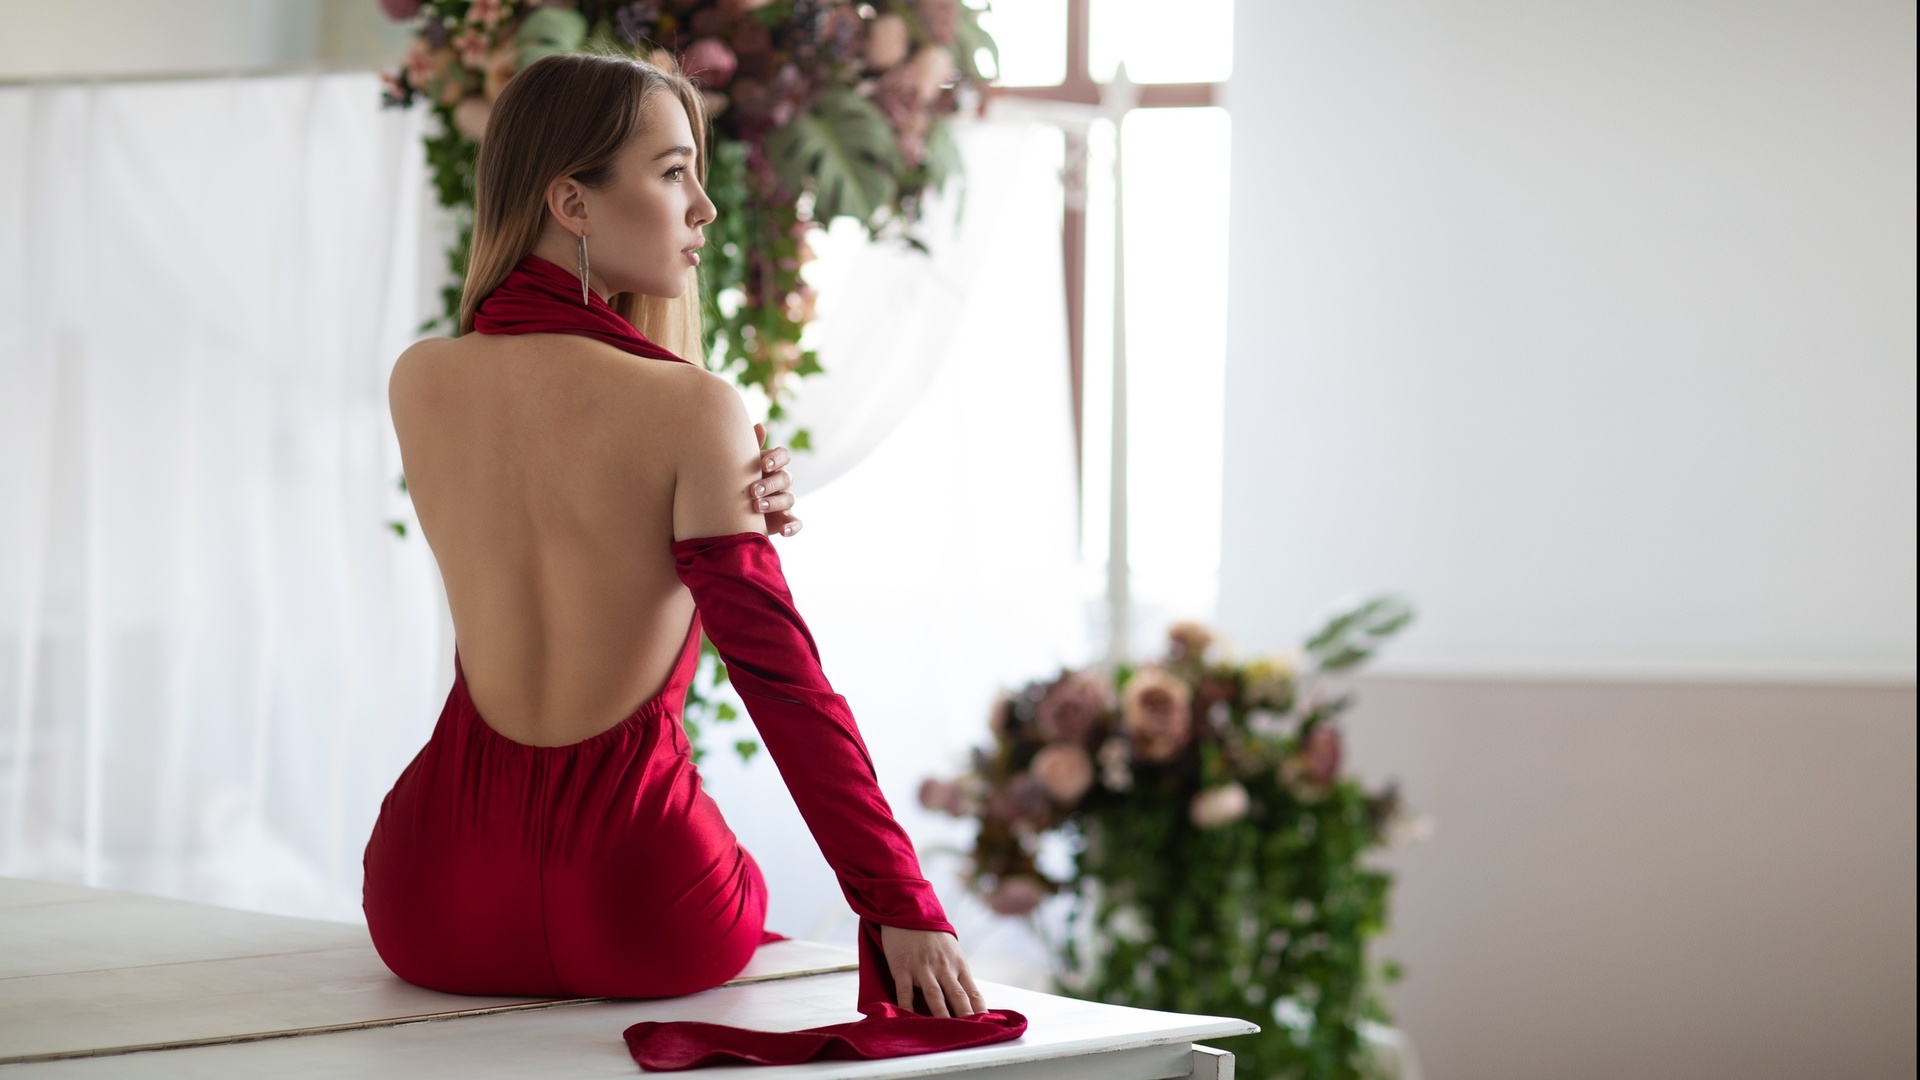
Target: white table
{"x":98,"y":984}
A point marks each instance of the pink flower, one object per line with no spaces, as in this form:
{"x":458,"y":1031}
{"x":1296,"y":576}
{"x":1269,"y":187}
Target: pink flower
{"x":945,"y":797}
{"x":1217,"y":806}
{"x":1065,"y":770}
{"x":1157,"y":714}
{"x":485,"y":13}
{"x":470,"y":116}
{"x":472,"y":45}
{"x":942,"y":19}
{"x":400,"y":10}
{"x":887,"y":42}
{"x":1188,"y":641}
{"x":709,"y":61}
{"x":1073,"y":707}
{"x":1017,"y":895}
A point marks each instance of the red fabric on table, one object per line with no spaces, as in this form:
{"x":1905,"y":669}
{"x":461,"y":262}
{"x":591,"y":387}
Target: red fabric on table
{"x":743,"y":600}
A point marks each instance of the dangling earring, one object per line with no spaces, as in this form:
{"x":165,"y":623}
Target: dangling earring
{"x":581,"y":262}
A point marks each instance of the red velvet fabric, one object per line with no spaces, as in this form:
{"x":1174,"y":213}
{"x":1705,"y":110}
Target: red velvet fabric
{"x":602,"y":869}
{"x":538,"y":297}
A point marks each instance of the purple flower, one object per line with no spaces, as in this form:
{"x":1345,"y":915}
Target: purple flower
{"x":1073,"y":707}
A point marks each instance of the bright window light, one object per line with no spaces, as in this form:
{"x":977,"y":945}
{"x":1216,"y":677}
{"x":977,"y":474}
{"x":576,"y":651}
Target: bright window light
{"x":1187,"y":42}
{"x":1032,"y":36}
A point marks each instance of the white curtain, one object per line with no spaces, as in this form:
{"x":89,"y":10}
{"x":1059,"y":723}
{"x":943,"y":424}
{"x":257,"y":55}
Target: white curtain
{"x":214,"y":656}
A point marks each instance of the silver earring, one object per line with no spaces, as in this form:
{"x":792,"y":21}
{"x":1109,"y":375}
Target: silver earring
{"x":581,"y":261}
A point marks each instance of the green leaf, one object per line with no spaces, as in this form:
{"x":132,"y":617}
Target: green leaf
{"x":746,"y":748}
{"x":970,"y":41}
{"x":802,"y":440}
{"x":399,"y":528}
{"x":843,"y":151}
{"x":549,"y":30}
{"x":725,"y":712}
{"x":943,"y":155}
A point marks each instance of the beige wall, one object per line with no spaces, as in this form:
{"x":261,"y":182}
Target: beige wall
{"x":1651,"y":880}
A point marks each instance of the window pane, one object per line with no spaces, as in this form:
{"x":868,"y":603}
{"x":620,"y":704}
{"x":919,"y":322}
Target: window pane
{"x":1032,"y":35}
{"x":1175,"y":173}
{"x":1188,"y":42}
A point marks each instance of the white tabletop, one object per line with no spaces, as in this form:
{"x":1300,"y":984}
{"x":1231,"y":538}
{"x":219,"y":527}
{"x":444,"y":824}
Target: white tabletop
{"x":87,"y":976}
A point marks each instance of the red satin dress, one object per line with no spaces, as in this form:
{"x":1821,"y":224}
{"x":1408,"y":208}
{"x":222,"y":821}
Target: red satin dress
{"x":601,"y":868}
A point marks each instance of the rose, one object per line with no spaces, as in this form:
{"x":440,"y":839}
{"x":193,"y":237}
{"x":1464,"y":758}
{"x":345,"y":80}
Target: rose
{"x":1157,"y":714}
{"x":473,"y":46}
{"x":400,"y":10}
{"x":1016,"y":895}
{"x":470,"y":116}
{"x":1065,"y":770}
{"x":944,"y":797}
{"x":887,"y":42}
{"x":485,"y":13}
{"x":1188,"y":641}
{"x":709,"y":61}
{"x":1073,"y":706}
{"x":1217,"y":806}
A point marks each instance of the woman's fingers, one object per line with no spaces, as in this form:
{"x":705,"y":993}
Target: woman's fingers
{"x":778,"y":503}
{"x":973,"y":992}
{"x":957,"y":997}
{"x":902,"y":987}
{"x":936,"y":998}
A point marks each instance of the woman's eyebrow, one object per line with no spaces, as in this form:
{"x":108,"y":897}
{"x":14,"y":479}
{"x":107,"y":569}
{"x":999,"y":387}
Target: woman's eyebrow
{"x":672,"y":150}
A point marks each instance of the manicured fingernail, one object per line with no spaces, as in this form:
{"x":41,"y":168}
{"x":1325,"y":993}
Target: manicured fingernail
{"x":763,"y":504}
{"x":759,"y":490}
{"x":787,"y":531}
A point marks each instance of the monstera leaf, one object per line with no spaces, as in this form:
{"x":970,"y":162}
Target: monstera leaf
{"x":843,"y":151}
{"x":549,"y":30}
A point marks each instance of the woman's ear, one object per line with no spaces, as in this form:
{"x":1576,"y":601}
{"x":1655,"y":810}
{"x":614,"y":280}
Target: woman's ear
{"x":567,"y":202}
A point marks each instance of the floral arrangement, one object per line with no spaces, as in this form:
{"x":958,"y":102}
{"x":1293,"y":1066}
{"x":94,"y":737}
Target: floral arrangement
{"x":1218,"y":846}
{"x":821,"y":109}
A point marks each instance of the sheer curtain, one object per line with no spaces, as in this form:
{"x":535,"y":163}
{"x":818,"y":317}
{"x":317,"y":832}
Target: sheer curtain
{"x":214,"y":656}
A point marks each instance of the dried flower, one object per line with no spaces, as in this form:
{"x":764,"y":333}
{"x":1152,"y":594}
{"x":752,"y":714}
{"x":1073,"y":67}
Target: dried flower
{"x":710,"y":62}
{"x":1065,"y":770}
{"x":1017,"y":895}
{"x":887,"y":42}
{"x":1188,"y":641}
{"x":1073,"y":706}
{"x":1309,"y":774}
{"x":1217,"y":806}
{"x":1157,"y":715}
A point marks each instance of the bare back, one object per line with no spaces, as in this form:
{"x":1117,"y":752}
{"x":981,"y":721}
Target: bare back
{"x":551,"y":474}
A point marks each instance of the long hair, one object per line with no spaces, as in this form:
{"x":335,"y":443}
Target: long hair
{"x":570,"y":115}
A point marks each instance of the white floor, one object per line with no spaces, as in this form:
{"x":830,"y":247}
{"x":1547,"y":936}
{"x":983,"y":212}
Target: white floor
{"x":103,"y":984}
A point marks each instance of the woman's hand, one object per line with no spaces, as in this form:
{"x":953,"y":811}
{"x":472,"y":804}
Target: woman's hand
{"x":931,"y":961}
{"x":769,"y":495}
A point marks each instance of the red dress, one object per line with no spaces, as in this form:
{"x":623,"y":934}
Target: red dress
{"x":601,"y":868}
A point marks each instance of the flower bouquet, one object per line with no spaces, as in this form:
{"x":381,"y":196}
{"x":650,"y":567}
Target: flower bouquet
{"x":1217,"y":844}
{"x":820,"y":109}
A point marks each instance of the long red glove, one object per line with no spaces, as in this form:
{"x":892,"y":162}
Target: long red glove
{"x":771,"y":659}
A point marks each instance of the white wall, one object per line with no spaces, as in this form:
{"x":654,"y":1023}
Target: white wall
{"x":1588,"y":324}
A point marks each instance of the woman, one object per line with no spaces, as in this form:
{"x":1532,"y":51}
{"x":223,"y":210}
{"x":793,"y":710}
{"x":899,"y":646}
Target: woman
{"x":580,"y":486}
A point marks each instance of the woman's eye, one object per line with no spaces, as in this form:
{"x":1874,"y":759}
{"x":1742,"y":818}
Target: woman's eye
{"x":676,"y":172}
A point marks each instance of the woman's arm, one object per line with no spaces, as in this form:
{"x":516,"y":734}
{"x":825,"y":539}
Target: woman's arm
{"x":737,"y":583}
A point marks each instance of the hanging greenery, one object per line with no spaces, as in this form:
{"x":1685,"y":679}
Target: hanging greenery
{"x":1218,"y":844}
{"x":821,"y":109}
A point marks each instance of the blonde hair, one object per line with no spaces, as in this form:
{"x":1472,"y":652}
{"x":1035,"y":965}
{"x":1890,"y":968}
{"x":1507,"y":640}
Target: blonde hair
{"x":569,"y":115}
